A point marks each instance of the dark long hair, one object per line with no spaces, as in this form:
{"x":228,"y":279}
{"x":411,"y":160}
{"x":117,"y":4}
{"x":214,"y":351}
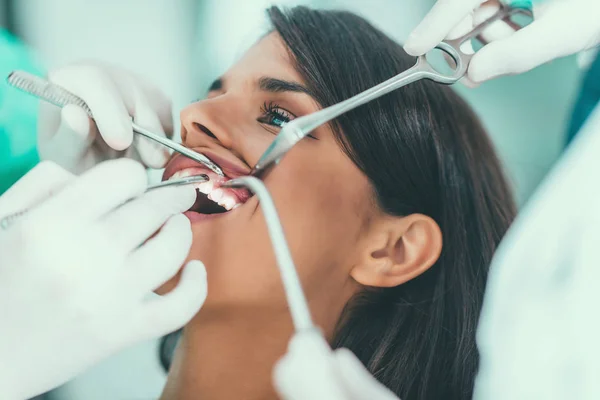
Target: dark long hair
{"x":424,"y":151}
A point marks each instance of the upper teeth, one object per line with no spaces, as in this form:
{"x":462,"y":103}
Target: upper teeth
{"x":205,"y":187}
{"x":221,"y":197}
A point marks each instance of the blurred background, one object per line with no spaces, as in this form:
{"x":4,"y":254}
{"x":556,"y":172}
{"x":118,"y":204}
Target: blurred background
{"x":182,"y":45}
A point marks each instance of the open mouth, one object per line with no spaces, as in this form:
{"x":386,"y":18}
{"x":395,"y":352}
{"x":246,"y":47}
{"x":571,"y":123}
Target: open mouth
{"x":210,"y":197}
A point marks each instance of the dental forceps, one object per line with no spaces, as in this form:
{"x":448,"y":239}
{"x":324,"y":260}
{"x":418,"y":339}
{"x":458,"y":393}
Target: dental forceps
{"x":61,"y":97}
{"x":7,"y":221}
{"x":295,"y":130}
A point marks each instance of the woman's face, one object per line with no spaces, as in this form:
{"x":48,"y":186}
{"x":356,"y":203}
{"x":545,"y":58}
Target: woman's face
{"x":323,"y":200}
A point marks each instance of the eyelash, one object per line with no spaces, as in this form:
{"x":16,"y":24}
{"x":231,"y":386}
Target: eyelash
{"x":272,"y":111}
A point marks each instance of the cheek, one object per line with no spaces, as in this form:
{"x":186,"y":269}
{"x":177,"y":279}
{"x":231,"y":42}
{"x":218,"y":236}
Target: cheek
{"x":319,"y":204}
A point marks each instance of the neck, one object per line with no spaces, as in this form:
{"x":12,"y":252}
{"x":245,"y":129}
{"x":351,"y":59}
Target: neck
{"x":228,"y":358}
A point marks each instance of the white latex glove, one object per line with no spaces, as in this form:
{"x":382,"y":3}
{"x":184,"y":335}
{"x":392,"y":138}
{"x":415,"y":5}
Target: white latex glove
{"x":560,"y":28}
{"x":75,"y":271}
{"x":311,"y":370}
{"x":75,"y":142}
{"x":539,"y":327}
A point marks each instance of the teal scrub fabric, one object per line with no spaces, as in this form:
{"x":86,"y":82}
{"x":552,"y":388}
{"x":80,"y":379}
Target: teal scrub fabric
{"x":18,"y":113}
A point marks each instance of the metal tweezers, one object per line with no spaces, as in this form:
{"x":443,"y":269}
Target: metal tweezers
{"x":295,"y":130}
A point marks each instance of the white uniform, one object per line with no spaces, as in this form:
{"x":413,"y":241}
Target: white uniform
{"x":539,"y":333}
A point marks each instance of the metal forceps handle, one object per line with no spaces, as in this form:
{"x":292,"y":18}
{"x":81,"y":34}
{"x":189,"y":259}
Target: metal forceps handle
{"x":453,"y":47}
{"x":297,"y":129}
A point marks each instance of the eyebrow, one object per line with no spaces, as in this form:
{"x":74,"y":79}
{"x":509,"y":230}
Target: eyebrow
{"x":268,"y":84}
{"x":274,"y":85}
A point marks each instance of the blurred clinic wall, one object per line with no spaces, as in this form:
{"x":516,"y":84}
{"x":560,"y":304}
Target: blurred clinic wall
{"x":182,"y":45}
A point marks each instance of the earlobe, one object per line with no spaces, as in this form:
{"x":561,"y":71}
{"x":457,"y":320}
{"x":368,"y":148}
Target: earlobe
{"x":397,"y":250}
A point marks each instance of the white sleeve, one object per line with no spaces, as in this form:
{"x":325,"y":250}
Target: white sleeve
{"x":539,"y":332}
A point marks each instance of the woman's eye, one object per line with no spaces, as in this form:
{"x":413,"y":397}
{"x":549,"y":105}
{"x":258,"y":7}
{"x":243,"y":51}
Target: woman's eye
{"x":274,"y":115}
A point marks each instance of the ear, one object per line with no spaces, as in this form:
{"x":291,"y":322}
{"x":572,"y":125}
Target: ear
{"x":397,"y":249}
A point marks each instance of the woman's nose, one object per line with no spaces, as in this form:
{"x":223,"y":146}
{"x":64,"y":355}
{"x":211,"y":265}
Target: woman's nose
{"x":201,"y":127}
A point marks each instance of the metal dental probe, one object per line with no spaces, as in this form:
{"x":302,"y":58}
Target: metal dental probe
{"x":61,"y":97}
{"x":7,"y":221}
{"x":291,"y":283}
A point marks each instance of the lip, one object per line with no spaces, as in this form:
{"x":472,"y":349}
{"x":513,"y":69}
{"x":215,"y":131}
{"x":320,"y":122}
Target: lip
{"x":197,"y":217}
{"x":179,"y":162}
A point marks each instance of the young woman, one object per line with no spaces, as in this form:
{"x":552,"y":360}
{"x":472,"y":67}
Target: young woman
{"x":392,"y":214}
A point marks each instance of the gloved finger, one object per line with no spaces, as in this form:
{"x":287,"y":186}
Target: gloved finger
{"x":158,"y":102}
{"x":307,"y":371}
{"x":50,"y":117}
{"x":100,"y":93}
{"x":298,"y":376}
{"x":129,"y":83}
{"x":163,"y":107}
{"x":170,"y":312}
{"x":523,"y":51}
{"x":161,"y":257}
{"x":497,"y":30}
{"x":148,"y":110}
{"x":96,"y":192}
{"x":44,"y":180}
{"x":152,"y":154}
{"x":358,"y":380}
{"x":462,"y":28}
{"x":436,"y":25}
{"x":134,"y":222}
{"x":74,"y":136}
{"x":467,"y":47}
{"x":290,"y":379}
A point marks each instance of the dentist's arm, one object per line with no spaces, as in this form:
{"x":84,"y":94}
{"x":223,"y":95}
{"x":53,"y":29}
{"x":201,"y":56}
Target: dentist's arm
{"x":75,"y":142}
{"x":560,"y":28}
{"x":311,"y":370}
{"x":77,"y":269}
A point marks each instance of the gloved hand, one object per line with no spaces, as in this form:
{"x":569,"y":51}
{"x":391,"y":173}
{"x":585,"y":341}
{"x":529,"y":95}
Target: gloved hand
{"x":560,"y":28}
{"x":74,"y":141}
{"x":75,"y":271}
{"x":311,"y":370}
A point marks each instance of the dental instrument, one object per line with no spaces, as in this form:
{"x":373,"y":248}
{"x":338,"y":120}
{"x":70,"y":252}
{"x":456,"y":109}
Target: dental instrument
{"x":289,"y":276}
{"x":295,"y":130}
{"x":61,"y":97}
{"x":7,"y":221}
{"x":179,"y":182}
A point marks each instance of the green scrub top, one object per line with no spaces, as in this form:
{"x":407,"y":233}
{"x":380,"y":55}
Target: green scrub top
{"x":18,"y":113}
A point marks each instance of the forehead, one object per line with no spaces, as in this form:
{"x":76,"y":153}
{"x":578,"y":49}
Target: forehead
{"x":267,"y":57}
